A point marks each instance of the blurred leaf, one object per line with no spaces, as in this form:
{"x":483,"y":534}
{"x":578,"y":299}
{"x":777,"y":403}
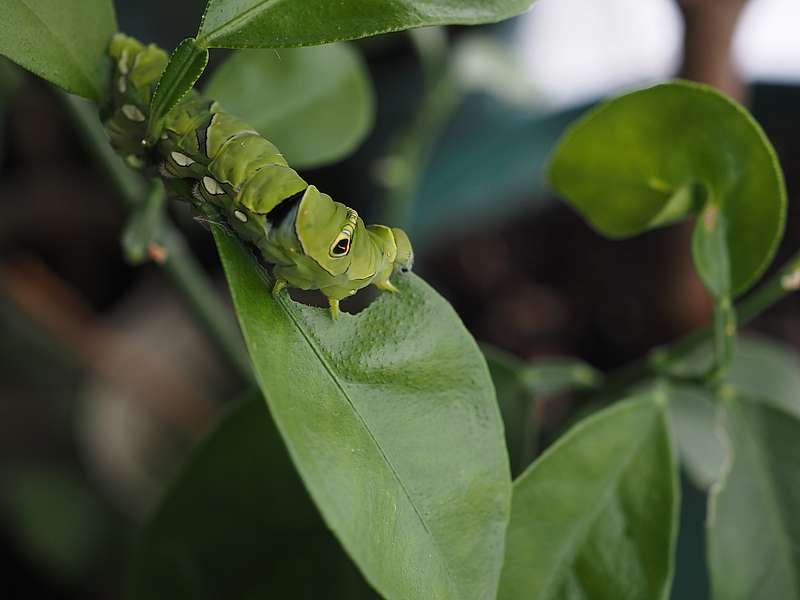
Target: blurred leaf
{"x":315,"y":104}
{"x":391,"y":419}
{"x":558,"y":375}
{"x":635,"y":163}
{"x":238,"y":523}
{"x":595,"y":516}
{"x":64,"y":41}
{"x":515,"y":399}
{"x":694,"y":418}
{"x":753,"y":523}
{"x":270,"y":24}
{"x":55,"y":517}
{"x":518,"y":382}
{"x":186,"y":63}
{"x":762,"y":369}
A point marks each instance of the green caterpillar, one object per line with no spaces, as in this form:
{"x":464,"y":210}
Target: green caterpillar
{"x":225,"y":168}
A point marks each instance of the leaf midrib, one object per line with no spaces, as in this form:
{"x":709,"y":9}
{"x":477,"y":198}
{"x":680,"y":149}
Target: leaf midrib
{"x":312,"y":343}
{"x":565,"y":559}
{"x":244,"y":17}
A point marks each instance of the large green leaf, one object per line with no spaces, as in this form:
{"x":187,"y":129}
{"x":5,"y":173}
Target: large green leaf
{"x":315,"y":104}
{"x":754,"y":522}
{"x":238,"y":523}
{"x":391,"y":420}
{"x":281,"y":24}
{"x":653,"y":156}
{"x":595,"y":516}
{"x":64,"y":41}
{"x":762,"y":369}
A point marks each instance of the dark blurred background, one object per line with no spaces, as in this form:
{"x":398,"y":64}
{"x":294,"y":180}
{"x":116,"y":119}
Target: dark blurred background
{"x":105,"y":380}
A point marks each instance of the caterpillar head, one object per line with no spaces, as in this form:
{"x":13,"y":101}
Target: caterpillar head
{"x":404,"y":261}
{"x":328,"y":231}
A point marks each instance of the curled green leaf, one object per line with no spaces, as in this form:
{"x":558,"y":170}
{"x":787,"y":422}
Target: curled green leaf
{"x":638,"y":161}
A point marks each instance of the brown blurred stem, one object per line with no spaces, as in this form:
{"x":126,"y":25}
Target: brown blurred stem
{"x":180,"y":266}
{"x":708,"y":37}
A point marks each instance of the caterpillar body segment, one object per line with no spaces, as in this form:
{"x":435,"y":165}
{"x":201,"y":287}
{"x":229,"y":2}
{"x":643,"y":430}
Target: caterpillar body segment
{"x":220,"y":164}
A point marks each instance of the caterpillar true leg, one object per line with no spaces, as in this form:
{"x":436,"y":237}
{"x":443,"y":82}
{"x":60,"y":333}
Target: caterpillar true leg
{"x":279,"y":285}
{"x":333,"y":305}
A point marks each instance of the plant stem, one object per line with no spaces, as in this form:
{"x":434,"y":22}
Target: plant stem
{"x":180,"y":266}
{"x":785,"y":281}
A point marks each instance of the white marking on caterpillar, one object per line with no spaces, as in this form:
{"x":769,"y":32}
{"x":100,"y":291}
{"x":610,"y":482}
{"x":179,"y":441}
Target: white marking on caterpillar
{"x":240,"y":215}
{"x":212,"y":186}
{"x":164,"y":136}
{"x":122,"y":63}
{"x":181,"y":159}
{"x":791,"y":281}
{"x":122,"y":84}
{"x":208,"y":131}
{"x":132,"y":113}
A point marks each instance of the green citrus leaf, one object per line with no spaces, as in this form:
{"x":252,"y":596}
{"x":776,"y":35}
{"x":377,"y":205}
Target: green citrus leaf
{"x":595,"y":516}
{"x":391,"y":420}
{"x":762,"y":369}
{"x":753,"y":524}
{"x":279,"y":24}
{"x":238,"y":520}
{"x":63,"y":41}
{"x":186,"y":63}
{"x":315,"y":104}
{"x":638,"y":161}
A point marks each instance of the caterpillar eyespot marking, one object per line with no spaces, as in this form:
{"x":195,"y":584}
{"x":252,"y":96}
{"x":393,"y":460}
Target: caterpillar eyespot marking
{"x":314,"y":242}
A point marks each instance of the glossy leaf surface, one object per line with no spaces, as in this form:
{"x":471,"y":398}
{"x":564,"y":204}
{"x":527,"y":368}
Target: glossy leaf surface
{"x":314,"y":104}
{"x":238,"y":523}
{"x":753,"y":523}
{"x":635,"y":163}
{"x":281,"y":24}
{"x":595,"y":516}
{"x":391,"y":420}
{"x":63,"y":41}
{"x":186,"y":63}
